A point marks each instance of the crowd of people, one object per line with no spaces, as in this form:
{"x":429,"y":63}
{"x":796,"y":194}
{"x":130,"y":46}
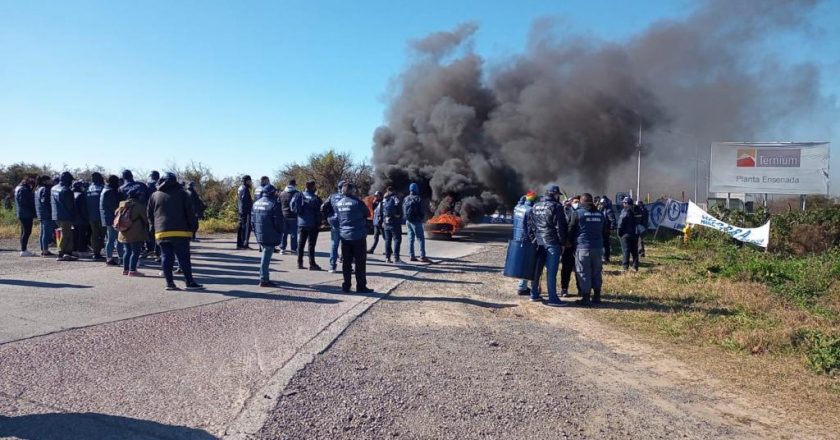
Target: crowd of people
{"x":573,"y":236}
{"x":158,"y":219}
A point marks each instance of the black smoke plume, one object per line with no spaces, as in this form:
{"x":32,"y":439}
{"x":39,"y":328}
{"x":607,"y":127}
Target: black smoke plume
{"x":569,"y":109}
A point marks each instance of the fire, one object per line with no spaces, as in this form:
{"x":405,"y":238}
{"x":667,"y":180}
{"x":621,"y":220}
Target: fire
{"x":445,"y":224}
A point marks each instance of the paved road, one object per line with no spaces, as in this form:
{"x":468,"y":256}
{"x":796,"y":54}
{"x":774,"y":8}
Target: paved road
{"x":84,"y":350}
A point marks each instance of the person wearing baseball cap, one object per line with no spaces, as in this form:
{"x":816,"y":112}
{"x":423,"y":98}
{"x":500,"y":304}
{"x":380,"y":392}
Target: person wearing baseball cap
{"x":628,"y":235}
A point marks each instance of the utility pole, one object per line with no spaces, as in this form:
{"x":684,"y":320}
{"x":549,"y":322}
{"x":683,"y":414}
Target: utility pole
{"x":696,"y":167}
{"x":639,"y":164}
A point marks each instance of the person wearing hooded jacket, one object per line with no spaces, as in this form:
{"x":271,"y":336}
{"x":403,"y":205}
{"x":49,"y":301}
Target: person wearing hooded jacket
{"x":25,"y":212}
{"x":628,"y":235}
{"x":172,"y":221}
{"x":290,"y":229}
{"x":307,"y":206}
{"x":132,"y":239}
{"x":81,"y":233}
{"x":198,"y":206}
{"x":352,"y":224}
{"x":606,"y":208}
{"x":150,"y":245}
{"x":64,"y":214}
{"x":390,"y":216}
{"x":520,"y":229}
{"x":567,"y":261}
{"x":547,"y":228}
{"x":109,"y":201}
{"x":94,"y":216}
{"x":129,"y":183}
{"x":329,"y":212}
{"x":244,"y":203}
{"x":43,"y":209}
{"x":268,"y":224}
{"x":587,"y":229}
{"x":414,"y":212}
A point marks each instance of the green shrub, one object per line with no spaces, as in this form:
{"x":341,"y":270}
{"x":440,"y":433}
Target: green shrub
{"x":822,"y":352}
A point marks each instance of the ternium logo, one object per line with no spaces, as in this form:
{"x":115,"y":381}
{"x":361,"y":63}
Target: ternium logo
{"x":768,"y":157}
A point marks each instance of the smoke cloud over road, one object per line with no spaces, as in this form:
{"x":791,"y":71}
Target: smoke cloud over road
{"x":568,"y":109}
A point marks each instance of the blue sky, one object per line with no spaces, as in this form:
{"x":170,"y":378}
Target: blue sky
{"x":246,"y":86}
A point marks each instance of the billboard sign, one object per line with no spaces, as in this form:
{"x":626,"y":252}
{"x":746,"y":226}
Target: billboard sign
{"x":769,"y":167}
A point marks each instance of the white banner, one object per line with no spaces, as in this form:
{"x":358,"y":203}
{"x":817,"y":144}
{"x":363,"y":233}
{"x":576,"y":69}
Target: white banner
{"x":769,"y":167}
{"x":673,"y":216}
{"x":759,"y":236}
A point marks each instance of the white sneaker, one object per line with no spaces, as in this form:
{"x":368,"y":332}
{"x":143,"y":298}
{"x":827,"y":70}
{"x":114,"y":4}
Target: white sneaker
{"x":26,"y":254}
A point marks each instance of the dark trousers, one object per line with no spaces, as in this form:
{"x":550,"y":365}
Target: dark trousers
{"x":354,"y":252}
{"x":377,"y":231}
{"x":393,"y":239}
{"x":80,"y":237}
{"x":97,"y":238}
{"x":630,"y":248}
{"x":65,"y":244}
{"x":642,"y":245}
{"x":567,"y":262}
{"x":25,"y":232}
{"x":174,"y":248}
{"x":243,"y":233}
{"x":607,"y":247}
{"x":307,"y":236}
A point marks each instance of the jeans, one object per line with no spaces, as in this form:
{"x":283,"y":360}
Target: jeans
{"x":309,"y":235}
{"x":354,"y":252}
{"x":243,"y":233}
{"x":176,"y":248}
{"x":377,"y":231}
{"x":393,"y":238}
{"x":523,"y":285}
{"x":265,"y":261}
{"x":97,"y":238}
{"x":65,"y":244}
{"x":568,"y":268}
{"x":25,"y":232}
{"x":112,"y":242}
{"x":335,"y":240}
{"x":548,"y":257}
{"x":290,"y":230}
{"x":131,"y":255}
{"x":415,"y":229}
{"x":588,"y":266}
{"x":630,"y":248}
{"x":46,"y":235}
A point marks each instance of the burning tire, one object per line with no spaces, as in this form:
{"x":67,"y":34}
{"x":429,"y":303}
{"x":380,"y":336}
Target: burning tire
{"x":443,"y":226}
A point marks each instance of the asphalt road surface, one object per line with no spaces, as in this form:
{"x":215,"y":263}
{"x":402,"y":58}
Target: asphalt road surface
{"x":88,"y":353}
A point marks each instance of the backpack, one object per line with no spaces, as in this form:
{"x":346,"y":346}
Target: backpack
{"x":390,"y":207}
{"x":413,"y":212}
{"x":122,"y":219}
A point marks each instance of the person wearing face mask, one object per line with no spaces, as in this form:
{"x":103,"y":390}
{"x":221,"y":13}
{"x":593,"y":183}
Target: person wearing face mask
{"x":547,"y":228}
{"x":567,"y":261}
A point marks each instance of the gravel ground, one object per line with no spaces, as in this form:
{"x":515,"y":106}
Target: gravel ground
{"x":460,"y":356}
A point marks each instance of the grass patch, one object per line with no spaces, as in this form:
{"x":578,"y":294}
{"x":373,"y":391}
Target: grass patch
{"x":217,"y":225}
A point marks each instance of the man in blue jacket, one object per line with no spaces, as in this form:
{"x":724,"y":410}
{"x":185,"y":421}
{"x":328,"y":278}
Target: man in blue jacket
{"x":352,"y":221}
{"x":94,"y":216}
{"x":268,"y":222}
{"x":244,"y":203}
{"x":307,"y":206}
{"x":129,"y":183}
{"x":605,"y":206}
{"x":547,"y":228}
{"x":520,"y":229}
{"x":329,"y":212}
{"x":43,"y":209}
{"x":391,"y":214}
{"x":414,"y":211}
{"x":25,"y":212}
{"x":587,"y":229}
{"x":290,"y":231}
{"x":109,"y":200}
{"x":628,"y":235}
{"x":64,"y":214}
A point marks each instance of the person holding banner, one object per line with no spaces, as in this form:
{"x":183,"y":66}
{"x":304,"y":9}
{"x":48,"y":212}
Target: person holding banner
{"x":627,"y":233}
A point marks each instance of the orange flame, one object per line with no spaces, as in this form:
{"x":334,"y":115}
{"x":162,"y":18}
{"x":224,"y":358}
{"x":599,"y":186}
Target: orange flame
{"x":453,"y":221}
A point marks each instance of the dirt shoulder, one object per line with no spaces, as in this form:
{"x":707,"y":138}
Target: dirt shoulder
{"x":453,"y":353}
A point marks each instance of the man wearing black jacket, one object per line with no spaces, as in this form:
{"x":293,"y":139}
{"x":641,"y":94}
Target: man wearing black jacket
{"x":172,"y":220}
{"x":290,"y":229}
{"x":244,"y":204}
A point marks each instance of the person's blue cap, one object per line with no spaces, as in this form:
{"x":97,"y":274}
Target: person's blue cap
{"x":552,"y":189}
{"x":269,"y":190}
{"x":414,"y":188}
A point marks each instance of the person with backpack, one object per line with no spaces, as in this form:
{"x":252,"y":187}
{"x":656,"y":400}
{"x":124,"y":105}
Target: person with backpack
{"x":391,"y":215}
{"x":64,"y":214}
{"x":43,"y":210}
{"x":352,"y":222}
{"x":268,"y":223}
{"x":244,"y":203}
{"x":376,"y":222}
{"x":643,"y":222}
{"x":307,"y":206}
{"x":132,"y":223}
{"x":414,"y":214}
{"x":628,"y":234}
{"x":328,"y":211}
{"x":109,"y":201}
{"x":25,"y":212}
{"x":94,"y":216}
{"x":290,"y":229}
{"x":172,"y":222}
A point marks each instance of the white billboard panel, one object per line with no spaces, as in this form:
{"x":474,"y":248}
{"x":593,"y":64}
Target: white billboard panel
{"x":769,"y":167}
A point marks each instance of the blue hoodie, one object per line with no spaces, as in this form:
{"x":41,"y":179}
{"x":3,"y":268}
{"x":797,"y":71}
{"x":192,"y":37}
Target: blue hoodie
{"x":24,"y":202}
